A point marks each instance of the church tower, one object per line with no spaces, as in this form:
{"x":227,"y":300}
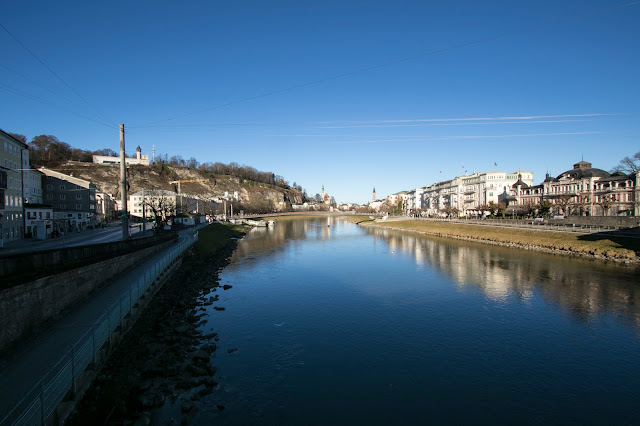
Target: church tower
{"x":374,"y":194}
{"x":322,"y":194}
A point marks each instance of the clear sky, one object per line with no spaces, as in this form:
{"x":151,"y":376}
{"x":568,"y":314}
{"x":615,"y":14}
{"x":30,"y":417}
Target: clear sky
{"x":349,"y":94}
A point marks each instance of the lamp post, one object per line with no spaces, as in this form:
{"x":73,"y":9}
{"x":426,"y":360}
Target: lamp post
{"x":144,"y":217}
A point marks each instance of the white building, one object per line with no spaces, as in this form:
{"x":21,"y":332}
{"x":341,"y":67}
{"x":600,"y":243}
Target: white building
{"x":38,"y":221}
{"x":32,"y":183}
{"x":14,"y":159}
{"x":141,"y":159}
{"x":464,"y":195}
{"x":164,"y":202}
{"x":105,"y":207}
{"x":583,"y":190}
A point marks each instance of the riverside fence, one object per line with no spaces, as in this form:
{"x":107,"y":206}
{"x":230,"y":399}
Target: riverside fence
{"x":40,"y":403}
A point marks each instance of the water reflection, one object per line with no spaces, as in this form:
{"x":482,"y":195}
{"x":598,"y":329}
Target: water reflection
{"x":268,"y":242}
{"x":585,"y":288}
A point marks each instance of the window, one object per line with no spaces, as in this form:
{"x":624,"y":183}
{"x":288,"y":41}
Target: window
{"x":63,"y":197}
{"x":49,"y":186}
{"x":49,"y":196}
{"x":78,"y":206}
{"x":62,"y":187}
{"x":78,"y":197}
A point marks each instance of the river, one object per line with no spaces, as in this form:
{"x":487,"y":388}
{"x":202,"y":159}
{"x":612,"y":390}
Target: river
{"x":331,"y":323}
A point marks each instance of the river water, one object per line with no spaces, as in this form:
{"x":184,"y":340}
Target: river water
{"x":331,"y":323}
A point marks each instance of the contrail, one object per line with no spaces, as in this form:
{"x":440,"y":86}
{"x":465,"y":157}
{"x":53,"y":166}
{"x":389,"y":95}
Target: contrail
{"x":408,"y":124}
{"x":435,"y":120}
{"x":466,"y":137}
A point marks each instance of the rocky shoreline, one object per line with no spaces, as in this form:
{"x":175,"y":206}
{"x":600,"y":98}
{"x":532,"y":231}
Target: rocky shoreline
{"x":564,"y":251}
{"x":164,"y":356}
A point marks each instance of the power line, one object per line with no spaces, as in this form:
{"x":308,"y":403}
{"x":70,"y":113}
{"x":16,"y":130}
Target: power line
{"x":406,"y":59}
{"x":36,"y":83}
{"x":57,"y":76}
{"x":51,"y":104}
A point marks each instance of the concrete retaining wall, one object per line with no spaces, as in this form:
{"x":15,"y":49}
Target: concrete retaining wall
{"x":25,"y":307}
{"x":26,"y":267}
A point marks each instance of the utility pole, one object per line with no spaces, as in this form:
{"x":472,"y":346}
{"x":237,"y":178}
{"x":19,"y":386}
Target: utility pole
{"x":123,"y":187}
{"x":144,"y":217}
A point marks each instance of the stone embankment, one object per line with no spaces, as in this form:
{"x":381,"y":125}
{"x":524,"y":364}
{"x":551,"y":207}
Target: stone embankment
{"x":165,"y":358}
{"x":594,"y":246}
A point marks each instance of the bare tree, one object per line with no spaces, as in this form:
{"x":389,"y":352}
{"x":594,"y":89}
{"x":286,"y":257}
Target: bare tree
{"x":628,"y":164}
{"x":562,"y":202}
{"x":21,"y":138}
{"x":606,"y":200}
{"x":162,"y":204}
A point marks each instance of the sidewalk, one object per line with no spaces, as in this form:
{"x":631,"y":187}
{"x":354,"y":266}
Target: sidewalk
{"x":87,"y":237}
{"x":22,"y":369}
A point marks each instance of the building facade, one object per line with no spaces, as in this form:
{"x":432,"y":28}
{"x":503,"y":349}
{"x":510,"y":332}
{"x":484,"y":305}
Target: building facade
{"x":585,"y":191}
{"x":73,"y":200}
{"x":38,"y":221}
{"x":141,"y":159}
{"x":32,"y":183}
{"x":105,"y":207}
{"x":14,"y":159}
{"x":464,"y":195}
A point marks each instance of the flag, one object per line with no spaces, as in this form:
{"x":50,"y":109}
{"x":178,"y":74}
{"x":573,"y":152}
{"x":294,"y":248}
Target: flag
{"x":495,"y":164}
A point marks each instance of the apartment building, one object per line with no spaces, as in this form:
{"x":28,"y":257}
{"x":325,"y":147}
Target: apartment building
{"x":73,"y":200}
{"x":14,"y":159}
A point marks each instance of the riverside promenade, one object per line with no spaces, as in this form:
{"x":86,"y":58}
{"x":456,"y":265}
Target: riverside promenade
{"x":23,"y":367}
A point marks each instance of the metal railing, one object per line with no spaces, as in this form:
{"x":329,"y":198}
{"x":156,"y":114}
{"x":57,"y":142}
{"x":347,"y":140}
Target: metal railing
{"x":41,"y":401}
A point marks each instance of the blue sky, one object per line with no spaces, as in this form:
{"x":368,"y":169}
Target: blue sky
{"x":349,"y":94}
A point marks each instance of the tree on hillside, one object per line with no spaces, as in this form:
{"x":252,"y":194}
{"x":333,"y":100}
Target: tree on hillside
{"x":628,"y":164}
{"x":106,"y":152}
{"x":48,"y":150}
{"x":21,"y":138}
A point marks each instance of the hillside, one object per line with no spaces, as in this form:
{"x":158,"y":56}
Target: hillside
{"x":253,"y":196}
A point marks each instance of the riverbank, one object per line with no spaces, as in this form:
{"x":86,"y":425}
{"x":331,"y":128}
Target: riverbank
{"x":601,"y":246}
{"x":165,"y":357}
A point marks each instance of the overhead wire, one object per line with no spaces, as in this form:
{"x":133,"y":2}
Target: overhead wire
{"x":401,"y":60}
{"x":58,"y":77}
{"x":51,"y":104}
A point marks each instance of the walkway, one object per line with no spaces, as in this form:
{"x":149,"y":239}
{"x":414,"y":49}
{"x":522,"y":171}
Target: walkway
{"x":22,"y":369}
{"x":90,"y":236}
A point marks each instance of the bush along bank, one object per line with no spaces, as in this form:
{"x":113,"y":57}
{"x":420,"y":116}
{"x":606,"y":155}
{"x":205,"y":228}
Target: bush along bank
{"x":594,"y":246}
{"x":165,"y":356}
